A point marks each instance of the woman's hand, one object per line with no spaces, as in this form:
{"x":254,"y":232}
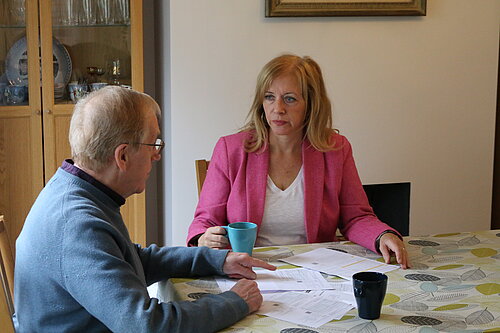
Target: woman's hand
{"x":215,"y":238}
{"x":390,"y":243}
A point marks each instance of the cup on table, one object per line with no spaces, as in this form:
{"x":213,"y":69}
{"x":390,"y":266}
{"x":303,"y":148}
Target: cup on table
{"x":369,"y":291}
{"x":241,"y":236}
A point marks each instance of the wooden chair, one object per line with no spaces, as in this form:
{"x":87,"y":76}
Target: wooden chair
{"x":6,"y":304}
{"x":7,"y":256}
{"x":201,"y":172}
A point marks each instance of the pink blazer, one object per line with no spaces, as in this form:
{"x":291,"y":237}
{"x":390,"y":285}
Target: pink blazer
{"x":235,"y":188}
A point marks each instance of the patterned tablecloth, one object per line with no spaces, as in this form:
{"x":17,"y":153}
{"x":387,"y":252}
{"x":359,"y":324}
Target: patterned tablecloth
{"x":453,"y":286}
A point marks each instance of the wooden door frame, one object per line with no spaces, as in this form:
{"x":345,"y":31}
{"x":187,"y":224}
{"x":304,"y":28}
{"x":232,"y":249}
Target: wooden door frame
{"x":495,"y":207}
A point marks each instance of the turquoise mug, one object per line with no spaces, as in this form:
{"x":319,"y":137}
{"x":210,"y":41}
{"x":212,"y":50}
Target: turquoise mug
{"x":241,"y":236}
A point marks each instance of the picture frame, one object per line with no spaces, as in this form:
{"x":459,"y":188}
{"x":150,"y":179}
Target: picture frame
{"x":316,"y":8}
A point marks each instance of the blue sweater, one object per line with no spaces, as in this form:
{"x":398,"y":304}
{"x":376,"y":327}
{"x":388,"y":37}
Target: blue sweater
{"x":78,"y":271}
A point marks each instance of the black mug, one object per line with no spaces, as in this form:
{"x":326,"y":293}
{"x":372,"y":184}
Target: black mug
{"x":369,"y":291}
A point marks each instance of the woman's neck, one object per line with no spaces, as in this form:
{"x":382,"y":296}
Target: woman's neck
{"x":285,"y":144}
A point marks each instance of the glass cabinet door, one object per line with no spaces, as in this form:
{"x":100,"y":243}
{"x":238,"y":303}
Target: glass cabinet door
{"x":86,"y":45}
{"x":21,"y":160}
{"x":91,"y":46}
{"x":13,"y":53}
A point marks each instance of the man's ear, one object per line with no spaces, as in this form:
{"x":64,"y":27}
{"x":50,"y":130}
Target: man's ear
{"x":122,"y":156}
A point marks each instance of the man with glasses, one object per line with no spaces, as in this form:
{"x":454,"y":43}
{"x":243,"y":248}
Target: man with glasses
{"x":77,"y":270}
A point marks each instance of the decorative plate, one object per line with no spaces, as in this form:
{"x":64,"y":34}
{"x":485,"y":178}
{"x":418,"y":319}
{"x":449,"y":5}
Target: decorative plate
{"x":16,"y":63}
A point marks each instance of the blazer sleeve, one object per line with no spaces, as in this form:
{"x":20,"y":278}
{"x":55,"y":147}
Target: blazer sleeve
{"x":212,"y":206}
{"x":358,"y":222}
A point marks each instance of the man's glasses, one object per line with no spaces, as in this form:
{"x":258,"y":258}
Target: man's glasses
{"x":159,"y":144}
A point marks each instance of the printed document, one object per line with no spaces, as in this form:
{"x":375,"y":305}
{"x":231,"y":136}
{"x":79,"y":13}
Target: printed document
{"x":282,"y":279}
{"x":338,"y":263}
{"x":301,"y":308}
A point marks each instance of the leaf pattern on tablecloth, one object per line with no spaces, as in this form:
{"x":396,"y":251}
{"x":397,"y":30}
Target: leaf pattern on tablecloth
{"x":264,"y":249}
{"x":410,"y":306}
{"x":469,"y":241}
{"x":462,"y":287}
{"x":297,"y":330}
{"x":428,"y":287}
{"x":368,"y":327}
{"x":421,"y":242}
{"x":480,"y":317}
{"x":345,"y":317}
{"x":427,"y":329}
{"x":390,"y":299}
{"x":422,"y":277}
{"x":197,"y":295}
{"x":450,"y":326}
{"x":484,"y":252}
{"x":282,"y":255}
{"x":203,"y":284}
{"x":488,"y":288}
{"x":449,"y":281}
{"x":447,"y":235}
{"x":418,"y":265}
{"x":444,"y":259}
{"x":399,"y":329}
{"x":420,"y":320}
{"x":452,"y":306}
{"x":446,"y":267}
{"x":447,"y":297}
{"x":429,"y":250}
{"x":473,"y":275}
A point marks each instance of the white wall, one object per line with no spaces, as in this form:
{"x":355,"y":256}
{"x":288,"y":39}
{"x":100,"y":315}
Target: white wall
{"x":416,"y":96}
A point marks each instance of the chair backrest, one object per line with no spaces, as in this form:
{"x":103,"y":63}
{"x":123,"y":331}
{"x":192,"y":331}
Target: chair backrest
{"x":201,"y":172}
{"x":7,"y":256}
{"x":391,"y":204}
{"x":6,"y":304}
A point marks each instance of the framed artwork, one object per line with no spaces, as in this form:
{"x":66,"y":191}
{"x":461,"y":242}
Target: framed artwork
{"x":284,"y":8}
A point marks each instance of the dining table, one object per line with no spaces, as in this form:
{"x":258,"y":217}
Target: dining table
{"x":453,"y":285}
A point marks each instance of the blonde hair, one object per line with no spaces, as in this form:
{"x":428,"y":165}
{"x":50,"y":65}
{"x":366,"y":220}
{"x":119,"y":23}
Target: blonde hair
{"x":105,"y":119}
{"x":318,"y":119}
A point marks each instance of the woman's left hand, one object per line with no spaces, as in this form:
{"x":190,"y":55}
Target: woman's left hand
{"x":390,"y":243}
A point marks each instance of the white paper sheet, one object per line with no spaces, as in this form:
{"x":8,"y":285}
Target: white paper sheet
{"x":338,"y":263}
{"x":309,"y":309}
{"x":282,"y":279}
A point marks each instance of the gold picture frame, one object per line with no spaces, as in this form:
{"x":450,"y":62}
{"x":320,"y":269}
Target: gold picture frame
{"x":303,"y":8}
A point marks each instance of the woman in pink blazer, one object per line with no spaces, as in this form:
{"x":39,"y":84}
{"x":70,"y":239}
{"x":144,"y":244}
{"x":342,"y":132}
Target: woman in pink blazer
{"x":289,"y":172}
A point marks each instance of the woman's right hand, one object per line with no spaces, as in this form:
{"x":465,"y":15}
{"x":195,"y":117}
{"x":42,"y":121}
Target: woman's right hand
{"x":215,"y":238}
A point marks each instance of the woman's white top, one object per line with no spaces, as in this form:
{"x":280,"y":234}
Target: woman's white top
{"x":283,"y":219}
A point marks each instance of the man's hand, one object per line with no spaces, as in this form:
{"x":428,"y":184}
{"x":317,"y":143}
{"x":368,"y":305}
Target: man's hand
{"x":250,"y":293}
{"x":215,"y":238}
{"x":239,"y":265}
{"x":390,"y":243}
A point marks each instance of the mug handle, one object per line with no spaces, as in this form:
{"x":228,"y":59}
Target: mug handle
{"x":225,"y":227}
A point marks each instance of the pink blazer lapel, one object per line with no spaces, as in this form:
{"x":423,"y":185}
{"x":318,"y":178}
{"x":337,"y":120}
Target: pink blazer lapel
{"x":256,"y":180}
{"x":314,"y":177}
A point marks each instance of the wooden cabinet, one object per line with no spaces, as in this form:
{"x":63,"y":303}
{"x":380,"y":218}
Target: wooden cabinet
{"x":34,"y":128}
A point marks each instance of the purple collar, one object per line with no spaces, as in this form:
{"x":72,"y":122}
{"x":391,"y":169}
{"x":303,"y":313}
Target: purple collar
{"x":69,"y":166}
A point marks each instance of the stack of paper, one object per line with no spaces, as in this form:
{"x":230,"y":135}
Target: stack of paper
{"x":302,"y":295}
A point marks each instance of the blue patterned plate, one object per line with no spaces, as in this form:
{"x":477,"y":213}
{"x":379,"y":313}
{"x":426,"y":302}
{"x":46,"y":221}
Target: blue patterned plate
{"x":16,"y":63}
